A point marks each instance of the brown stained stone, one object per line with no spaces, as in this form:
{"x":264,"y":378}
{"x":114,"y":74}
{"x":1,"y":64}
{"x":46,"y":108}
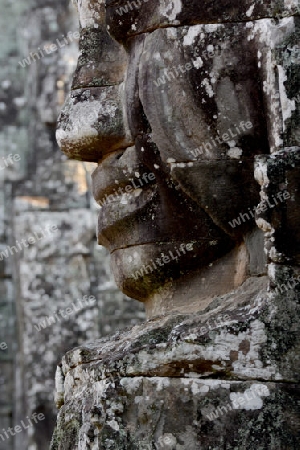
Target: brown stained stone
{"x":244,"y":347}
{"x":234,"y":355}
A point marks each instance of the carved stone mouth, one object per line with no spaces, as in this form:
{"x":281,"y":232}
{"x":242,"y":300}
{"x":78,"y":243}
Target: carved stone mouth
{"x":120,"y":174}
{"x":115,"y":208}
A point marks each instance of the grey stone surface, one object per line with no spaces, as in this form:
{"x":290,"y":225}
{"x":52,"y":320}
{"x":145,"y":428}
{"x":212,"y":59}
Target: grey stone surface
{"x":145,"y":413}
{"x":205,"y":97}
{"x":40,"y":190}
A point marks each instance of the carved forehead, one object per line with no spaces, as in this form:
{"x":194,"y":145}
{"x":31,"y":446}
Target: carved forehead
{"x":126,"y":17}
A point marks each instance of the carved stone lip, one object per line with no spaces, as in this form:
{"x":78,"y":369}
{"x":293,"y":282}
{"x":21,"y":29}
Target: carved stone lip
{"x":115,"y":192}
{"x":115,"y":177}
{"x":112,"y":196}
{"x":119,"y":191}
{"x":119,"y":206}
{"x":122,"y":208}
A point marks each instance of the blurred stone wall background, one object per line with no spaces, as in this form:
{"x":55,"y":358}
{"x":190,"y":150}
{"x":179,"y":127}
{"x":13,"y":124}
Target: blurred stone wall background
{"x":41,"y":190}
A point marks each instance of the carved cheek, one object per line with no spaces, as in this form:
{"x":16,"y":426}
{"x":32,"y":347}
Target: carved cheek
{"x":198,"y":85}
{"x":177,"y":122}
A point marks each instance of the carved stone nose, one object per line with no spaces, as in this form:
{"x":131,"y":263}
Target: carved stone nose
{"x":92,"y":121}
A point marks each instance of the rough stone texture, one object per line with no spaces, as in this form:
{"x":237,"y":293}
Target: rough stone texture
{"x":205,"y":96}
{"x":145,"y":413}
{"x":155,"y":385}
{"x":40,"y":190}
{"x":150,"y":15}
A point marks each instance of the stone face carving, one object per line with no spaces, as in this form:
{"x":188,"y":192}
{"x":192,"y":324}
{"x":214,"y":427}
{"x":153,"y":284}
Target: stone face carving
{"x":203,"y":96}
{"x":42,"y":273}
